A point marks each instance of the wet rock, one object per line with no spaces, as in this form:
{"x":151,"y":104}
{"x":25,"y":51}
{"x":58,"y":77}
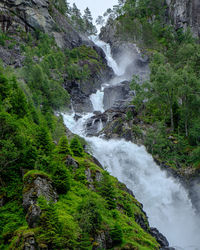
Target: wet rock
{"x":160,"y":238}
{"x":88,"y":174}
{"x":36,"y":185}
{"x":98,"y":176}
{"x":77,"y":117}
{"x":113,"y":94}
{"x":139,"y":219}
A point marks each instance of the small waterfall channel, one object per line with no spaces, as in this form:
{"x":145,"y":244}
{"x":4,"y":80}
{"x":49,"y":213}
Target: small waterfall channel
{"x":165,"y":200}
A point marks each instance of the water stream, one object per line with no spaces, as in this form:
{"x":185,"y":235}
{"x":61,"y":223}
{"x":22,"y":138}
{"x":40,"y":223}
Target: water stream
{"x":165,"y":200}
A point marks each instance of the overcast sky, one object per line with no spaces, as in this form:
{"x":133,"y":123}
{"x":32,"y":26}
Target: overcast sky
{"x":97,"y":7}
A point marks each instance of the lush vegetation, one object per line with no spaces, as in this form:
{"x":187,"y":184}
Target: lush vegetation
{"x":169,"y":102}
{"x":80,"y":214}
{"x":34,"y":145}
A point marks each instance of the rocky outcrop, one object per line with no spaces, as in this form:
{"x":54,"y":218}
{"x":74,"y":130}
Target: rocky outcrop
{"x":113,"y":94}
{"x":35,"y":186}
{"x":184,"y":14}
{"x":161,"y":239}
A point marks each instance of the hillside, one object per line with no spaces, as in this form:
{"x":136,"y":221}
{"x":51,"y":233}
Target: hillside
{"x":54,"y":194}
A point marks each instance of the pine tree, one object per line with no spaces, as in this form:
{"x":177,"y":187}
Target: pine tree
{"x":63,"y":146}
{"x":87,"y":18}
{"x":76,"y":147}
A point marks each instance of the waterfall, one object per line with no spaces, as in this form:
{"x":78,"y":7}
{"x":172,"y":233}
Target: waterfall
{"x":107,"y":50}
{"x":165,"y":200}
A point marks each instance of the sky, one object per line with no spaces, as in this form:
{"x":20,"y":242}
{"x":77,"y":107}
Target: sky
{"x":97,"y":7}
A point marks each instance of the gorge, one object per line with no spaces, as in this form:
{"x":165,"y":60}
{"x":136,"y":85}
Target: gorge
{"x":165,"y":200}
{"x":99,"y":134}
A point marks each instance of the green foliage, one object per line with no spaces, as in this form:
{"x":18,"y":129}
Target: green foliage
{"x":12,"y":217}
{"x":3,"y":38}
{"x":44,"y":140}
{"x":63,"y":146}
{"x":33,"y":174}
{"x":106,"y":189}
{"x":61,"y":178}
{"x":116,"y":235}
{"x":61,"y":6}
{"x":51,"y":229}
{"x":44,"y":75}
{"x":76,"y":147}
{"x":82,"y":62}
{"x":89,"y":216}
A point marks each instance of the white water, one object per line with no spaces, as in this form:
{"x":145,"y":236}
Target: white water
{"x":97,"y":100}
{"x":106,"y":48}
{"x":165,"y":200}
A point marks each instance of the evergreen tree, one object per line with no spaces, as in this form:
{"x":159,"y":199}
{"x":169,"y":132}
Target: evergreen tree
{"x":76,"y":147}
{"x":76,"y":18}
{"x":106,"y":189}
{"x":87,"y":18}
{"x":63,"y":146}
{"x":61,"y":179}
{"x":44,"y":140}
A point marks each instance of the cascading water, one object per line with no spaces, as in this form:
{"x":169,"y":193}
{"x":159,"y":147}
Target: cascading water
{"x":165,"y":200}
{"x":106,"y":48}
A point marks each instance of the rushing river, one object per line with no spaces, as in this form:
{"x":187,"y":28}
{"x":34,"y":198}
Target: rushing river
{"x":165,"y":200}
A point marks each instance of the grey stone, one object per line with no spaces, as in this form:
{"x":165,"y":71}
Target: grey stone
{"x":71,"y":162}
{"x":184,"y":14}
{"x":33,"y":189}
{"x":33,"y":216}
{"x":161,"y":239}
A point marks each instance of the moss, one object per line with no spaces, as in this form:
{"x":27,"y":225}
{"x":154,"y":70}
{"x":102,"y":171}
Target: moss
{"x":33,"y":174}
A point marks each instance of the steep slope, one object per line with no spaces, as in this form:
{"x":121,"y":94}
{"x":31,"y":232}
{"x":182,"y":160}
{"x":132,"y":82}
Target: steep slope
{"x":53,"y":195}
{"x":162,"y":119}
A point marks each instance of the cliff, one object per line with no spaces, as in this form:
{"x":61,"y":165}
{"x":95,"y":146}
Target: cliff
{"x":184,"y":14}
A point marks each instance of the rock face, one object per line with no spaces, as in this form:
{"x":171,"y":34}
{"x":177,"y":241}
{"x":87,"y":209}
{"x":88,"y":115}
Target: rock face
{"x":127,"y":55}
{"x":161,"y":239}
{"x":34,"y":15}
{"x":185,"y":13}
{"x":115,"y":93}
{"x":34,"y":187}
